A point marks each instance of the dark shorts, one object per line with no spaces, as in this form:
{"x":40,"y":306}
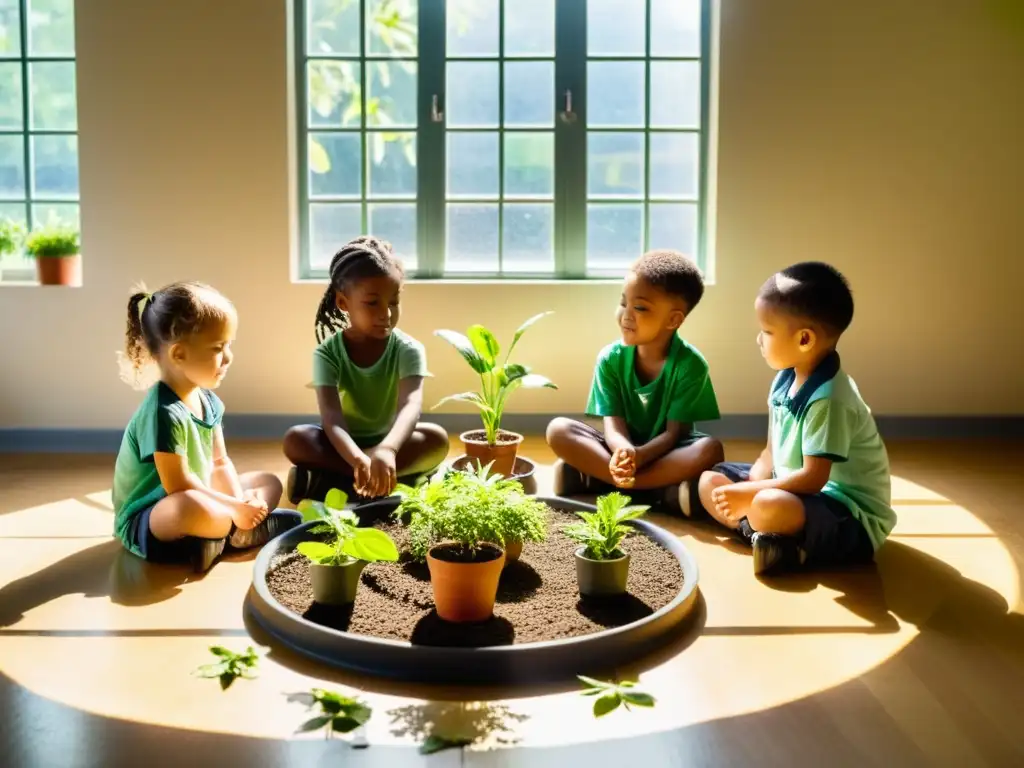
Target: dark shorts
{"x":593,"y":433}
{"x":831,"y":535}
{"x":152,"y":548}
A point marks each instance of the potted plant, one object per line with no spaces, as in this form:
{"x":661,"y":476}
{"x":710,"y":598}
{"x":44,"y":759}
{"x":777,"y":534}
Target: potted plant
{"x":55,"y":248}
{"x":498,"y":380}
{"x":459,"y":522}
{"x":12,"y":234}
{"x":337,"y":563}
{"x":602,"y":566}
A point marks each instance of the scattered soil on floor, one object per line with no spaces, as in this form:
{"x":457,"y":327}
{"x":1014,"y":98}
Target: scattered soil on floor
{"x":538,"y":598}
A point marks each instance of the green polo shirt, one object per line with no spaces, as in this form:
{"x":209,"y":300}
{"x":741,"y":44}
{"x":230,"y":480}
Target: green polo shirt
{"x":161,"y":424}
{"x":682,"y":391}
{"x":827,"y":417}
{"x":369,"y":396}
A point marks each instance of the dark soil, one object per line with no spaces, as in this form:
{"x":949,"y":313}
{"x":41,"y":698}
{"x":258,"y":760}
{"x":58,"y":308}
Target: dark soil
{"x":538,"y":598}
{"x":480,"y":436}
{"x":455,"y":553}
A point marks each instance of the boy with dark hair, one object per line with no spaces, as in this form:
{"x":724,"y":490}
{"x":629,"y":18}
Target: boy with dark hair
{"x":820,"y":492}
{"x":650,"y":389}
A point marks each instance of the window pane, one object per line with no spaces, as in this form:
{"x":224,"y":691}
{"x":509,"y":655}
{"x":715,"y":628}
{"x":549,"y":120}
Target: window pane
{"x":10,"y":96}
{"x":12,"y":167}
{"x":614,"y":235}
{"x":675,"y":27}
{"x":391,"y":27}
{"x":53,"y":96}
{"x":10,"y":27}
{"x":528,"y":233}
{"x":472,"y":27}
{"x":472,"y":94}
{"x":473,"y":164}
{"x":392,"y":164}
{"x":674,"y":225}
{"x":530,"y":28}
{"x":674,"y":164}
{"x":396,"y":223}
{"x":675,"y":94}
{"x":334,"y":94}
{"x":56,"y":213}
{"x":530,"y":164}
{"x":332,"y":225}
{"x":530,"y":94}
{"x":332,"y":27}
{"x":472,"y":238}
{"x":335,"y":164}
{"x":391,"y":99}
{"x":616,"y":27}
{"x":13,"y":212}
{"x":615,"y":94}
{"x":51,"y":27}
{"x":55,"y":166}
{"x":615,"y":164}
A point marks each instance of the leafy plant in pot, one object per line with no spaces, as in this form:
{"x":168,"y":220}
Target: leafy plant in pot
{"x":55,"y":248}
{"x":498,"y":380}
{"x":459,"y":522}
{"x":12,"y":234}
{"x":337,"y":563}
{"x":602,"y":566}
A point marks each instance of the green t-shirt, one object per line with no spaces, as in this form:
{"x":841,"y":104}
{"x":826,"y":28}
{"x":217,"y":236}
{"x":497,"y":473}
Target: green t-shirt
{"x":161,"y":424}
{"x":369,"y":396}
{"x":682,"y":392}
{"x":828,"y":418}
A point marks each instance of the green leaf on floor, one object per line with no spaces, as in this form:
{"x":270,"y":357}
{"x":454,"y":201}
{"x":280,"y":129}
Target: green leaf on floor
{"x":230,"y":665}
{"x":611,"y":695}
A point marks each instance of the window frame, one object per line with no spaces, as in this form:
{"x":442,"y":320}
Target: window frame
{"x":27,"y":271}
{"x":570,"y":198}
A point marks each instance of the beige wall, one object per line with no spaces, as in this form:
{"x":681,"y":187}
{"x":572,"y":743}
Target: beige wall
{"x":882,"y":135}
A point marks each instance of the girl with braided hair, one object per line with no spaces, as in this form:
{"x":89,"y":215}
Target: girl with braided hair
{"x":368,"y":377}
{"x":176,"y":493}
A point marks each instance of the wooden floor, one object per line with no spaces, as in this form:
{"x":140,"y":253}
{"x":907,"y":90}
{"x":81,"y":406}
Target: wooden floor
{"x":919,"y":661}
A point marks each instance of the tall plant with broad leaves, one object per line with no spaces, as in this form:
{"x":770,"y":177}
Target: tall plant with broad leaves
{"x":498,"y":378}
{"x":602,"y":532}
{"x":346,"y":541}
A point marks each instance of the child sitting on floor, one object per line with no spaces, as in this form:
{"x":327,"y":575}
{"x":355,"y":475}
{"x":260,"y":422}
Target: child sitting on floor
{"x":369,"y":385}
{"x":650,"y":388}
{"x":176,"y":494}
{"x":820,"y":492}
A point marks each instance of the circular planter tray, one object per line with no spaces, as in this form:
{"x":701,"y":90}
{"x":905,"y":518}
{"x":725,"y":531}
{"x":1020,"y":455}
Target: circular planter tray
{"x":520,"y":663}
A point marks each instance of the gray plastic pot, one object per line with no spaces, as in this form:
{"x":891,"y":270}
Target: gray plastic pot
{"x":336,"y":584}
{"x":601,"y":577}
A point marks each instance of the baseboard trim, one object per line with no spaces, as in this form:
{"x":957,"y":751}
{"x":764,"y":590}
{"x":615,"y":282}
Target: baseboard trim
{"x":259,"y":426}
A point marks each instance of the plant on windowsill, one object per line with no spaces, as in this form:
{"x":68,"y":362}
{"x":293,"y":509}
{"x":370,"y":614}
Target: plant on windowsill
{"x":55,"y":247}
{"x":461,"y":523}
{"x":337,"y":563}
{"x":12,"y":234}
{"x":602,"y":566}
{"x":498,"y":379}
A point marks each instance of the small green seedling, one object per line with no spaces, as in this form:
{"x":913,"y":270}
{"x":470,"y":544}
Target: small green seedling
{"x":338,"y":714}
{"x":230,"y":665}
{"x":603,"y":531}
{"x":346,"y":542}
{"x":440,"y":743}
{"x":611,"y":695}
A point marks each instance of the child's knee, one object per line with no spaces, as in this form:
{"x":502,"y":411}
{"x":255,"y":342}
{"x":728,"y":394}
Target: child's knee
{"x":558,"y":431}
{"x":711,"y":452}
{"x":775,"y":511}
{"x":435,"y":439}
{"x":299,"y":441}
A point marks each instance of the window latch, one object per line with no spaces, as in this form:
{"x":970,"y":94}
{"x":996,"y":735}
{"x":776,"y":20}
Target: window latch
{"x":436,"y":114}
{"x":567,"y":115}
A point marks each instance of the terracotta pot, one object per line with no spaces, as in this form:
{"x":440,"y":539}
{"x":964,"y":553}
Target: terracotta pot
{"x":59,"y":270}
{"x":336,"y":584}
{"x":513,"y":551}
{"x":502,"y":453}
{"x":523,"y":471}
{"x":465,"y":591}
{"x":601,"y":577}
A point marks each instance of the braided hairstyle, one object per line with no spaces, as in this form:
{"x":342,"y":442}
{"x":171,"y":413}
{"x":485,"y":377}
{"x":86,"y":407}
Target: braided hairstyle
{"x":364,"y":257}
{"x":173,"y":313}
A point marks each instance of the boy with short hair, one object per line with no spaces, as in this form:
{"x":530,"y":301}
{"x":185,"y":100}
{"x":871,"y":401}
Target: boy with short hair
{"x":650,"y":388}
{"x":820,"y":492}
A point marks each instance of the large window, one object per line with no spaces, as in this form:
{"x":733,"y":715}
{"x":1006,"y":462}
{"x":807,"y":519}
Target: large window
{"x":515,"y":138}
{"x":38,"y":119}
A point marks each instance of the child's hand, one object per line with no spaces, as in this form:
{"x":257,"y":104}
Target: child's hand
{"x":623,"y":467}
{"x":361,"y":474}
{"x":383,"y":474}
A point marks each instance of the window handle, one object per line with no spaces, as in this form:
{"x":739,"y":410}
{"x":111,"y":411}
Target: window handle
{"x":436,"y":113}
{"x":567,"y":115}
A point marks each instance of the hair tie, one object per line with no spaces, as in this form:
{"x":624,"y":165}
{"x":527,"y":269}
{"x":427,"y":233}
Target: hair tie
{"x":146,"y":298}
